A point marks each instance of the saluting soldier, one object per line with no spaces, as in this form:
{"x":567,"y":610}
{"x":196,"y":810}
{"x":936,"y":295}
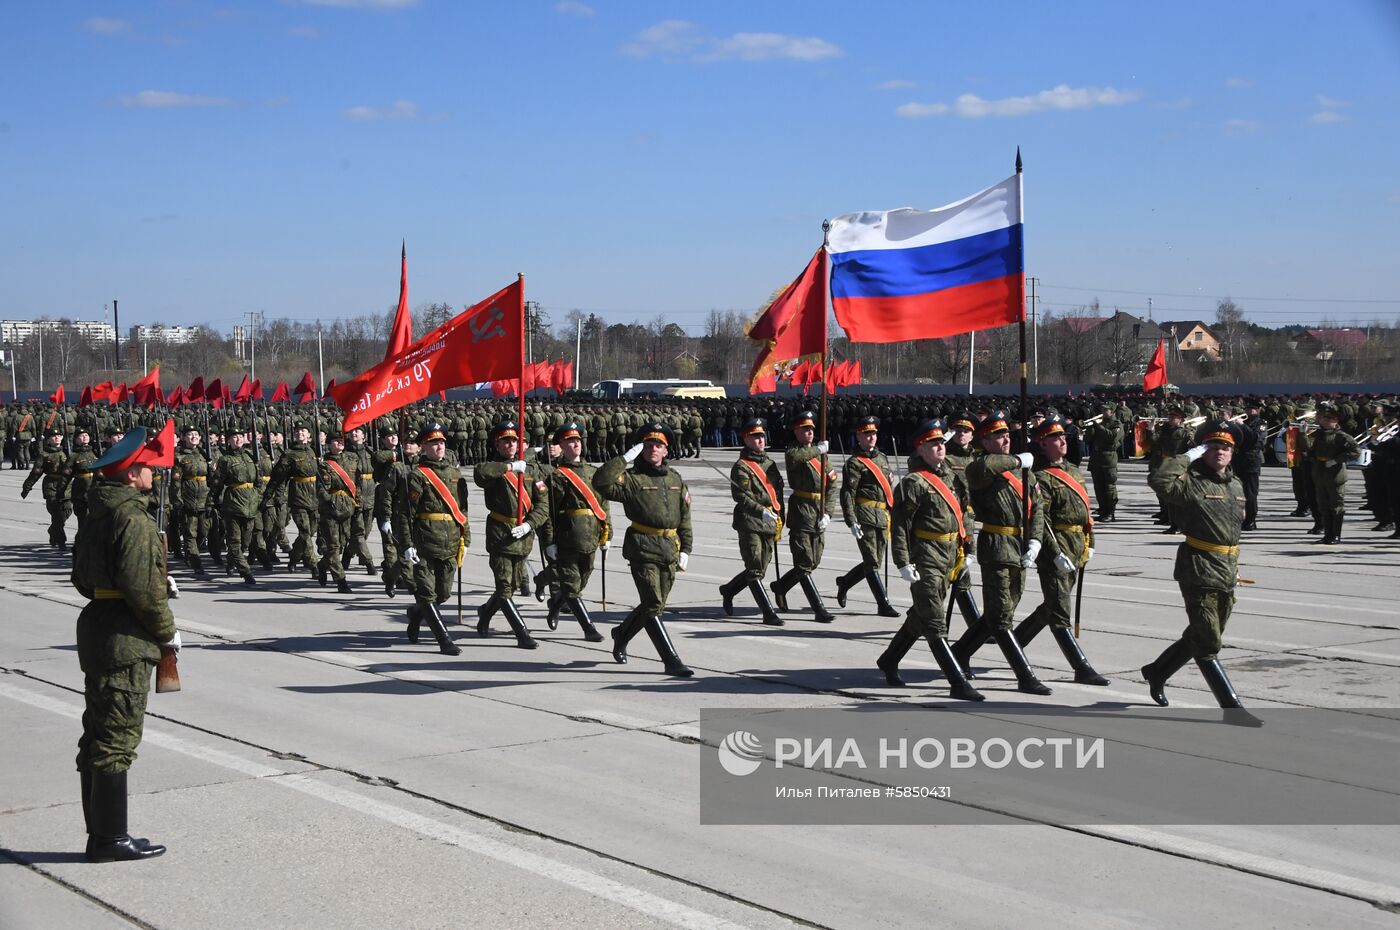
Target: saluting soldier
{"x":1067,"y":545}
{"x":1329,"y":451}
{"x":235,"y":492}
{"x":658,"y":540}
{"x":338,"y":492}
{"x":51,"y":465}
{"x":757,"y":487}
{"x":79,"y":478}
{"x":813,"y":485}
{"x":190,"y":497}
{"x":866,"y":498}
{"x":430,"y":521}
{"x":1105,"y":438}
{"x":119,"y":566}
{"x":1008,"y":514}
{"x":297,"y":471}
{"x":517,"y":504}
{"x":579,"y":525}
{"x":1209,"y":501}
{"x":929,"y":539}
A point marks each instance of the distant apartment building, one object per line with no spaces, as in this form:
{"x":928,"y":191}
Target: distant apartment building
{"x":14,"y":332}
{"x":162,"y":333}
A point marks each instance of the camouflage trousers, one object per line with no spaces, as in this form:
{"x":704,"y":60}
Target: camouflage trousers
{"x":304,"y":548}
{"x":113,"y":715}
{"x":1207,"y":612}
{"x":335,"y":535}
{"x":433,"y":580}
{"x":1057,"y":589}
{"x":926,"y":617}
{"x":1105,"y":487}
{"x":59,"y":512}
{"x":358,"y":543}
{"x":569,"y":571}
{"x":194,"y":530}
{"x":238,"y":539}
{"x":1002,"y":586}
{"x":872,"y":544}
{"x":806,"y":549}
{"x":756,"y":550}
{"x":1329,"y":489}
{"x":508,"y":571}
{"x":653,"y":581}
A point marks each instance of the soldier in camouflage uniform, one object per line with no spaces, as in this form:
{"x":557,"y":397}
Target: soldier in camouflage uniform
{"x":1168,"y":441}
{"x":1209,"y":500}
{"x":812,"y":481}
{"x":296,"y":471}
{"x":22,"y":437}
{"x":51,"y":465}
{"x":430,"y":521}
{"x":658,"y":540}
{"x":756,"y":485}
{"x":866,"y":499}
{"x":359,"y":461}
{"x":517,"y":504}
{"x":119,"y":566}
{"x":579,"y":525}
{"x":389,"y":471}
{"x":338,"y":491}
{"x":79,"y":477}
{"x":190,"y":497}
{"x":1105,"y":438}
{"x":929,"y":540}
{"x":234,"y":487}
{"x":1329,"y":451}
{"x":962,"y":428}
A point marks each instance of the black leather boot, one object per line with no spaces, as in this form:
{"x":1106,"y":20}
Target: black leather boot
{"x":848,"y":581}
{"x":249,"y":580}
{"x":109,"y":841}
{"x":662,"y":641}
{"x":342,"y":585}
{"x":622,"y":634}
{"x":1030,"y":627}
{"x":1084,"y":673}
{"x":390,"y":582}
{"x":484,"y":613}
{"x":1168,"y":664}
{"x":781,"y":586}
{"x":730,"y":588}
{"x":894,"y":654}
{"x":967,"y":606}
{"x":585,"y":622}
{"x":974,"y":638}
{"x":760,"y":596}
{"x":882,"y":599}
{"x":415,"y":621}
{"x":1219,"y":683}
{"x":958,"y":686}
{"x":556,"y":604}
{"x":1025,"y":678}
{"x":85,"y":777}
{"x":814,"y":598}
{"x":523,"y":639}
{"x":197,"y":565}
{"x":445,"y":644}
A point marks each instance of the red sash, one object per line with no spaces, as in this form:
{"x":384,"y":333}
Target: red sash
{"x":522,"y":492}
{"x":582,"y":487}
{"x":1068,"y":480}
{"x":948,"y":496}
{"x":763,"y":479}
{"x":879,"y":474}
{"x":445,"y":494}
{"x":1016,"y":486}
{"x":349,"y":485}
{"x":49,"y":421}
{"x":23,"y":423}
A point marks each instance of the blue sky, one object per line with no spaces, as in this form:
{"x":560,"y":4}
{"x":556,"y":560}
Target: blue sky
{"x":198,"y":160}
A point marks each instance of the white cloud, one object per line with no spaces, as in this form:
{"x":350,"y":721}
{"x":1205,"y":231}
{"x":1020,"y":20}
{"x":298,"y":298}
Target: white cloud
{"x":896,"y":85}
{"x":1063,"y":97}
{"x":169,"y":100}
{"x":1242,"y":126}
{"x":105,"y":26}
{"x":677,"y":38}
{"x":1238,"y":83}
{"x":1327,"y":116}
{"x":574,"y":8}
{"x":402,"y":109}
{"x":1331,"y":103}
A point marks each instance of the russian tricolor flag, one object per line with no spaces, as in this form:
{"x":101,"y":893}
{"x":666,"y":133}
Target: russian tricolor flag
{"x":916,"y":274}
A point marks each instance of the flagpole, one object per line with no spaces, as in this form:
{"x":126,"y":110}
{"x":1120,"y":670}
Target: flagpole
{"x":826,"y":342}
{"x":1025,"y":403}
{"x":520,"y":423}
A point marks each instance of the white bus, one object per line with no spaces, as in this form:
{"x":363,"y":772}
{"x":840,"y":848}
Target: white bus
{"x":635,"y":387}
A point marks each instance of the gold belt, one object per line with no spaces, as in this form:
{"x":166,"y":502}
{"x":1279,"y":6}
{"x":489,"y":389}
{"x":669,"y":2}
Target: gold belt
{"x":654,"y":531}
{"x":243,"y":484}
{"x":366,"y":474}
{"x":342,"y":493}
{"x":194,"y":478}
{"x":868,"y":502}
{"x":439,"y":516}
{"x":1216,"y":548}
{"x":808,"y":495}
{"x":306,"y":478}
{"x":502,"y":518}
{"x":1000,"y":530}
{"x":580,"y":512}
{"x":1068,"y":527}
{"x":107,"y":594}
{"x":935,"y":537}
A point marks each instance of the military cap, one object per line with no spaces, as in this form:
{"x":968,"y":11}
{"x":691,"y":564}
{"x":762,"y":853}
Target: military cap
{"x":1052,"y":425}
{"x":233,"y":429}
{"x":994,"y":422}
{"x":1174,"y":408}
{"x":963,"y":420}
{"x":1326,"y":408}
{"x":930,"y":431}
{"x":658,"y":432}
{"x":1219,"y":430}
{"x":868,"y":425}
{"x":52,"y":431}
{"x":506,"y":429}
{"x":431,"y":431}
{"x":111,"y":431}
{"x":570,"y":430}
{"x":332,"y":432}
{"x":387,"y":431}
{"x":756,"y":427}
{"x":118,"y":454}
{"x":805,"y":418}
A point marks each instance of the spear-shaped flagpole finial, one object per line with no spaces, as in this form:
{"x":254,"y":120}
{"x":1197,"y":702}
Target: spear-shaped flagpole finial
{"x":1018,"y":159}
{"x":404,"y":254}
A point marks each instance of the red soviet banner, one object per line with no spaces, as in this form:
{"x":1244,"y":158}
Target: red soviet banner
{"x":482,"y":343}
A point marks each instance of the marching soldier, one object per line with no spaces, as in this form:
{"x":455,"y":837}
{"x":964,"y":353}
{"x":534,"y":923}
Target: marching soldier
{"x":813,"y":485}
{"x":866,"y":499}
{"x":79,"y":478}
{"x":51,"y":465}
{"x":1329,"y":450}
{"x":389,"y":471}
{"x":235,"y":493}
{"x":517,"y":504}
{"x":929,"y":539}
{"x":1251,"y":461}
{"x":1105,"y":437}
{"x":297,"y":471}
{"x":118,"y":565}
{"x":358,"y":456}
{"x":338,"y":492}
{"x":23,"y":438}
{"x":1170,"y":440}
{"x":1067,"y":546}
{"x":578,"y":527}
{"x":960,"y":453}
{"x":1209,"y":500}
{"x":658,"y":540}
{"x":190,"y":496}
{"x":757,"y":488}
{"x":1008,"y":511}
{"x":430,"y":519}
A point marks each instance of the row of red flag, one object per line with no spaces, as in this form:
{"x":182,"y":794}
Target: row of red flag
{"x":806,"y":374}
{"x":147,"y":392}
{"x":557,"y":376}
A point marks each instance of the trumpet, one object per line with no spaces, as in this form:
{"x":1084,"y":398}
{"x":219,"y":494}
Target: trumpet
{"x":1378,"y":434}
{"x":1300,"y":421}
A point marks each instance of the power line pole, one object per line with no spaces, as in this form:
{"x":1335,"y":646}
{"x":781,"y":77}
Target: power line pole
{"x":255,"y":318}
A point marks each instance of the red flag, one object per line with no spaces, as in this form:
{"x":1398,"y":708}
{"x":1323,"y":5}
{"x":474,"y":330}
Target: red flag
{"x":305,"y":386}
{"x":833,"y":376}
{"x":101,"y":391}
{"x":765,"y":383}
{"x":482,"y":343}
{"x":568,"y":379}
{"x":120,"y":395}
{"x":85,"y":398}
{"x":227,"y":393}
{"x":256,"y":392}
{"x":503,"y":387}
{"x":854,"y":376}
{"x":244,"y":388}
{"x":401,"y":335}
{"x":307,"y":398}
{"x":281,"y":393}
{"x":176,"y":397}
{"x":196,"y":390}
{"x":794,"y":324}
{"x":57,"y":395}
{"x":160,"y":451}
{"x":214,"y":393}
{"x":147,"y":390}
{"x":1156,"y":374}
{"x":544,"y":374}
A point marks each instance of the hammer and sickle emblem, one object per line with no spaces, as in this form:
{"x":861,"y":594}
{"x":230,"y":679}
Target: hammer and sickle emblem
{"x":487,"y":325}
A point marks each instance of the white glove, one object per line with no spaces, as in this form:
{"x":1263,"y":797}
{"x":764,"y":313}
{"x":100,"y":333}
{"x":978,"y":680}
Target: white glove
{"x":1063,"y":564}
{"x":386,"y":528}
{"x":856,"y":531}
{"x":823,"y":447}
{"x":769,"y":516}
{"x":1026,"y":459}
{"x":410,"y":555}
{"x":909,"y":573}
{"x":606,"y":546}
{"x":824,"y":522}
{"x":683,"y":560}
{"x":172,"y":590}
{"x":631,"y":454}
{"x":551,"y":552}
{"x":1032,"y":550}
{"x":518,"y":466}
{"x":1195,"y":452}
{"x":1088,"y":555}
{"x":520,"y":532}
{"x":174,"y":644}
